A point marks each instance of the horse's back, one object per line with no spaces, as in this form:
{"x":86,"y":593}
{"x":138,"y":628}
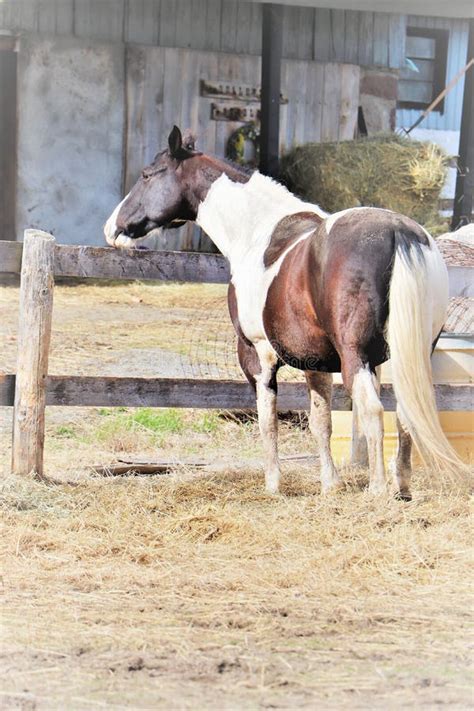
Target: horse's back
{"x":363,"y":230}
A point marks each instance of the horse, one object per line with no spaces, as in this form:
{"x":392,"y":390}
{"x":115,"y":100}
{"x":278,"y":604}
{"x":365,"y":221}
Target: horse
{"x":322,"y":293}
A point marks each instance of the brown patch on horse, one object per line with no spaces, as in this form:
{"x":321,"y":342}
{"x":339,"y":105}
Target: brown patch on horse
{"x":288,"y":231}
{"x":291,"y":315}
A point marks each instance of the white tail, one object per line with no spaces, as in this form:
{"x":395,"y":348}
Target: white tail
{"x":417,"y":311}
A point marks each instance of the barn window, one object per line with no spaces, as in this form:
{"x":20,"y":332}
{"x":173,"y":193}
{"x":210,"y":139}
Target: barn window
{"x":424,"y":75}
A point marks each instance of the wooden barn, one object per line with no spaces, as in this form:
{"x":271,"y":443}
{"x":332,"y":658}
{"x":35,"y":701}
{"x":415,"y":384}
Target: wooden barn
{"x":90,"y":89}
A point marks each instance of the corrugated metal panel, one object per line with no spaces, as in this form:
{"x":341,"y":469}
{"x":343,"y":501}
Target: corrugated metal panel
{"x":56,"y":17}
{"x":450,"y":119}
{"x":99,"y":20}
{"x":440,"y":8}
{"x":298,"y":29}
{"x":19,"y":15}
{"x":142,"y":22}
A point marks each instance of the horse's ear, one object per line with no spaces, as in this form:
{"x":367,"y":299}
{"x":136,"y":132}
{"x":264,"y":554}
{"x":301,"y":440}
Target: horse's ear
{"x":189,"y":141}
{"x":175,"y":141}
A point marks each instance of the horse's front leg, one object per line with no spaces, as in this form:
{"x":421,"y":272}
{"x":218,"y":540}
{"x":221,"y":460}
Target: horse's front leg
{"x":320,"y":424}
{"x":267,"y":413}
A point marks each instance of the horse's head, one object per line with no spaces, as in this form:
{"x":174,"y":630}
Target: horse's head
{"x":159,"y":198}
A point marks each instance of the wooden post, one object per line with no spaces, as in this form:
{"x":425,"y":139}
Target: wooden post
{"x":36,"y":307}
{"x":272,"y":40}
{"x":463,"y":199}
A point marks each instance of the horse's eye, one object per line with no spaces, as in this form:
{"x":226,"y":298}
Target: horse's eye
{"x":147,"y":174}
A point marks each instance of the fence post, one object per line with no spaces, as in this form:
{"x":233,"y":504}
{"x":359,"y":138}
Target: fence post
{"x":34,"y":332}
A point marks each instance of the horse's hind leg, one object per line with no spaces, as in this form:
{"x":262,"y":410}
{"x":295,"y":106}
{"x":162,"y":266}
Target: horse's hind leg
{"x":320,"y":390}
{"x":401,"y":467}
{"x":359,"y":453}
{"x":363,"y":385}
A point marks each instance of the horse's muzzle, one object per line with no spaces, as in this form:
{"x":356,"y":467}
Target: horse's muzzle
{"x":123,"y":241}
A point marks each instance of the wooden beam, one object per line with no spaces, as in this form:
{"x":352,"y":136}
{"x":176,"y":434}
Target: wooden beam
{"x":34,"y":333}
{"x":110,"y":263}
{"x":169,"y":392}
{"x":272,"y":44}
{"x":463,"y":198}
{"x":85,"y":391}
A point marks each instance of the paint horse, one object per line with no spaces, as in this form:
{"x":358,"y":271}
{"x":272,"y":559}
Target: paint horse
{"x":324,"y":294}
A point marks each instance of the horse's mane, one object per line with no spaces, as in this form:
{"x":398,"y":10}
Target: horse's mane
{"x":243,"y":173}
{"x":247,"y":170}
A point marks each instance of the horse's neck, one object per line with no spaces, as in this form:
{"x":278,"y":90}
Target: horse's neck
{"x":240,"y":217}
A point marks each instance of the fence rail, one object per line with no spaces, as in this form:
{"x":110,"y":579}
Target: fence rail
{"x":39,"y":259}
{"x":110,"y":263}
{"x":98,"y":391}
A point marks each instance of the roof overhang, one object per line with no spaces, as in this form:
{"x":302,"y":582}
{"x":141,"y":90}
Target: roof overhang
{"x":428,"y":8}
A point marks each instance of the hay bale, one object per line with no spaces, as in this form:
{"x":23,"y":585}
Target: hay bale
{"x":384,"y":171}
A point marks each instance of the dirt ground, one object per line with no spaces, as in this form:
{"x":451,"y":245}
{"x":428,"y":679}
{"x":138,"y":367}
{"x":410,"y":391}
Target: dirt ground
{"x":196,"y":589}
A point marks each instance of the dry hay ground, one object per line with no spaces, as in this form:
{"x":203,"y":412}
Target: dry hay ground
{"x":199,"y":590}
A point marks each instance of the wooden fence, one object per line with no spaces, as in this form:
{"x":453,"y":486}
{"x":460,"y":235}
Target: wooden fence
{"x":39,"y":259}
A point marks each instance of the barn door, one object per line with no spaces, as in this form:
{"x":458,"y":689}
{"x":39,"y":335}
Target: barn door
{"x":7,"y":137}
{"x":70,"y":136}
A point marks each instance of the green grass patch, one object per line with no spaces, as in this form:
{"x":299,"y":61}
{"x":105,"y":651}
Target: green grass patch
{"x":206,"y":423}
{"x":146,"y":420}
{"x":66,"y":432}
{"x":160,"y":421}
{"x":108,"y":411}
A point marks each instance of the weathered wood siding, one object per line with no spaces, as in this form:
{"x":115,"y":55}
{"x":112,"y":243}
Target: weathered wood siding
{"x":450,"y":118}
{"x":367,"y":38}
{"x":163,"y":88}
{"x":126,"y":98}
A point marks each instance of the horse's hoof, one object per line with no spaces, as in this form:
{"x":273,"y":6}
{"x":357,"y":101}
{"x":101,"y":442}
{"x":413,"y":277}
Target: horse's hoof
{"x":403,"y":495}
{"x":378,"y":490}
{"x":272,"y":490}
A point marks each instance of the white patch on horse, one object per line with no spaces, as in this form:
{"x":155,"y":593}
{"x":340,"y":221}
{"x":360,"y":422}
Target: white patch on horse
{"x":240,"y":218}
{"x":110,"y":228}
